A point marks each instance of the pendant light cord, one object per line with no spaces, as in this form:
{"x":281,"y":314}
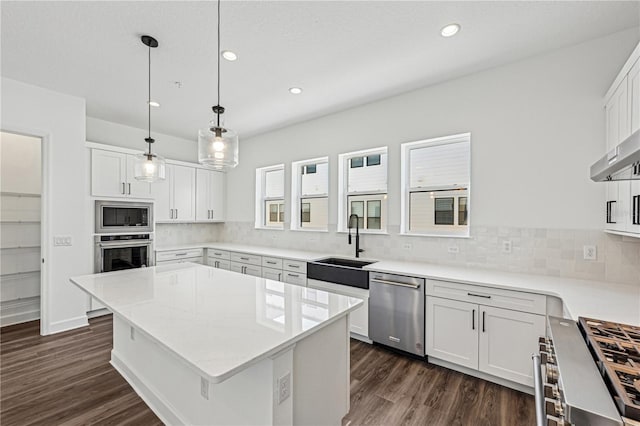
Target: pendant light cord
{"x":218,"y":62}
{"x":149,"y":101}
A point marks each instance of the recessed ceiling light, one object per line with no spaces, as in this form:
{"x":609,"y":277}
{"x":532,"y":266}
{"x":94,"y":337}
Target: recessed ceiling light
{"x":450,"y":30}
{"x":229,"y":55}
{"x":295,"y":90}
{"x":154,"y":104}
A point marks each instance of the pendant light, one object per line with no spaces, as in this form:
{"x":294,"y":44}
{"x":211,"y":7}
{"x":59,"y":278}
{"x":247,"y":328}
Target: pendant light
{"x":218,"y":145}
{"x":149,"y":167}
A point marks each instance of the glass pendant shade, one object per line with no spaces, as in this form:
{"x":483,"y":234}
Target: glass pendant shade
{"x":149,"y":167}
{"x":218,"y":148}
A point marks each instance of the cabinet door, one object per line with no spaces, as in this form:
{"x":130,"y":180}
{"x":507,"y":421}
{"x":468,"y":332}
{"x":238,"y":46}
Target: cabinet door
{"x":633,"y":82}
{"x":634,"y":222}
{"x":451,"y":331}
{"x":108,"y":173}
{"x":217,"y":196}
{"x":507,"y":340}
{"x":161,"y":191}
{"x":184,"y":193}
{"x":236,"y":267}
{"x":272,"y":274}
{"x":252,"y":270}
{"x":295,"y":278}
{"x":203,"y":197}
{"x":136,"y":188}
{"x":358,"y":319}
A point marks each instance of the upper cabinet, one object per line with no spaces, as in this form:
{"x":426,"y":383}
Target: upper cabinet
{"x":189,"y":192}
{"x":176,"y":195}
{"x":209,"y":196}
{"x":112,"y":175}
{"x":622,"y":118}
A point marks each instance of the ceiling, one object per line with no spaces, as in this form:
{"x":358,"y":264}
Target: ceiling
{"x":342,"y":53}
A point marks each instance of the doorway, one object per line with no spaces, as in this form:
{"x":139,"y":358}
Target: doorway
{"x":21,"y":190}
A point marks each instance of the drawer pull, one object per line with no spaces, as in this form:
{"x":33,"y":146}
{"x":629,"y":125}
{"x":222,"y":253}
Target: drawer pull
{"x":484,"y":296}
{"x":293,"y":275}
{"x":270,"y":262}
{"x":180,"y":254}
{"x":396,"y":283}
{"x":244,"y":258}
{"x":217,"y":254}
{"x":293,"y":266}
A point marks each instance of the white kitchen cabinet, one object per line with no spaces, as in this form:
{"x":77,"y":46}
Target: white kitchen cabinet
{"x":272,"y":274}
{"x":633,"y":84}
{"x":507,"y":340}
{"x":246,"y":269}
{"x":175,"y":196}
{"x":451,"y":331}
{"x":194,"y":255}
{"x":209,"y":196}
{"x":295,"y":278}
{"x":218,"y":263}
{"x":113,"y":175}
{"x":359,"y":318}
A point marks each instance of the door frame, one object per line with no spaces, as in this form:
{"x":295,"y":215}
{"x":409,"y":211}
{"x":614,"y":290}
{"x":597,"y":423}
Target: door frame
{"x":45,"y":208}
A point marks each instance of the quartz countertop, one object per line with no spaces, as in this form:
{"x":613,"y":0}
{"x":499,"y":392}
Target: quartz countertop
{"x":595,"y":299}
{"x":301,"y":255}
{"x":216,"y":321}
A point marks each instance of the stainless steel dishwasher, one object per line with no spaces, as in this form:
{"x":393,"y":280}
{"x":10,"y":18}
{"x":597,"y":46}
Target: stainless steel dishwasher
{"x":396,"y":311}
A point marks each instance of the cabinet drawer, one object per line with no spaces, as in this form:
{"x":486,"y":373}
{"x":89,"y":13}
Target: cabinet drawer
{"x":178,"y":254}
{"x":272,"y":274}
{"x":295,"y":278}
{"x":294,"y":266}
{"x":272,"y":262}
{"x":488,"y":296}
{"x":250,"y":259}
{"x":197,"y":260}
{"x":243,"y":268}
{"x":218,"y":254}
{"x":220,"y":264}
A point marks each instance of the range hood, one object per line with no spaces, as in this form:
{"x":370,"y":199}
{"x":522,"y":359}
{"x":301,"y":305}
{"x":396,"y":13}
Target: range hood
{"x":621,"y":163}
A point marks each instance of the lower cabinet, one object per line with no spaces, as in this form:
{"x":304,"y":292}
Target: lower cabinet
{"x":246,"y":268}
{"x":219,"y":263}
{"x":492,"y":340}
{"x":358,"y":319}
{"x":272,"y":274}
{"x":180,"y":256}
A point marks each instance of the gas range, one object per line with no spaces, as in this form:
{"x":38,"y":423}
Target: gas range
{"x":588,"y":373}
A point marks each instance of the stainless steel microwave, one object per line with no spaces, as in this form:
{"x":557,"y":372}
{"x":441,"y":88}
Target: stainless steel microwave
{"x":123,"y":216}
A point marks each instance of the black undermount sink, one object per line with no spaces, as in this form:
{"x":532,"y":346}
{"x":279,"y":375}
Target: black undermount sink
{"x":340,"y":271}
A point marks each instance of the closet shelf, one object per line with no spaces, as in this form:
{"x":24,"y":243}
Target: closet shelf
{"x":20,"y":247}
{"x":15,"y":274}
{"x":19,"y":221}
{"x":19,"y":194}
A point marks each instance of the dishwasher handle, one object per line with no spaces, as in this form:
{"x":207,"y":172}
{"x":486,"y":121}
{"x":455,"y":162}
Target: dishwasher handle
{"x":379,"y":281}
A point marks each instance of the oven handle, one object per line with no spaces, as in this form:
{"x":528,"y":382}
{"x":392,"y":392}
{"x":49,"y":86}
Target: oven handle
{"x":122,"y":244}
{"x":539,"y":393}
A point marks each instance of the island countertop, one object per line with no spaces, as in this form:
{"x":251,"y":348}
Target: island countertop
{"x":216,"y":321}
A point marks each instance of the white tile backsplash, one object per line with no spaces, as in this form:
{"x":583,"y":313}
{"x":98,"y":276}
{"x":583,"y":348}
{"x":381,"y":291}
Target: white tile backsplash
{"x":169,"y":234}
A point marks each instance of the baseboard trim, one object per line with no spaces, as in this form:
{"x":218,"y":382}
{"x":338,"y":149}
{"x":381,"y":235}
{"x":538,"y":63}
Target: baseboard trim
{"x":68,"y":324}
{"x":19,"y":311}
{"x":361,"y":338}
{"x":98,"y":313}
{"x":484,"y":376}
{"x":161,"y":408}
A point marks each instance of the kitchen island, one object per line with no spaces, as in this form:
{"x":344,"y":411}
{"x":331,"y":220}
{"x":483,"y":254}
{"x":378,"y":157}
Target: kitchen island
{"x":204,"y":346}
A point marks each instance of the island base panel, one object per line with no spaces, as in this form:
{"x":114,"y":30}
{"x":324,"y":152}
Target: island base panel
{"x":319,"y":367}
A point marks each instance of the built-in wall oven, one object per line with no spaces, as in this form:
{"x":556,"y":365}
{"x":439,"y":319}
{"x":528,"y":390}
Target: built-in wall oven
{"x":123,"y":251}
{"x":123,"y":216}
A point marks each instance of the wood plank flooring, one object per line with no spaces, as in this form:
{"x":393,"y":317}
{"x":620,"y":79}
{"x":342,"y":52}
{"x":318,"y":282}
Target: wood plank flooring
{"x":66,"y":379}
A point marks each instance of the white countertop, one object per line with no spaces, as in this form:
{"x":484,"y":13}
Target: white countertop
{"x":301,"y":255}
{"x":607,"y":301}
{"x":217,"y":321}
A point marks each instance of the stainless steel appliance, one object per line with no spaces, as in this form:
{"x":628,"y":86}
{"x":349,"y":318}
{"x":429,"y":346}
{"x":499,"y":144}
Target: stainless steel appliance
{"x":123,"y":216}
{"x":621,"y":163}
{"x":118,"y":252}
{"x":569,"y":385}
{"x":396,"y":311}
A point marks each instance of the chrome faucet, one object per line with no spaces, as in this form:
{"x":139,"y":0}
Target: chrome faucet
{"x":357,"y":219}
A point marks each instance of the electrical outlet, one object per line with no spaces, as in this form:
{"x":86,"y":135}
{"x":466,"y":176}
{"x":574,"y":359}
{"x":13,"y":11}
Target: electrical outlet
{"x":506,"y":246}
{"x":589,"y":252}
{"x":453,"y":249}
{"x":204,"y":388}
{"x":62,"y":240}
{"x":284,"y":388}
{"x":407,"y":246}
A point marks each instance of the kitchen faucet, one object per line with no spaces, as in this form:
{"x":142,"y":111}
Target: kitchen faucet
{"x":358,"y":249}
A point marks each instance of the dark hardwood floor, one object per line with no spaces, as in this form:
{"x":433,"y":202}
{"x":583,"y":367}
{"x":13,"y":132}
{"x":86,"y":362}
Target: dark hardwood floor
{"x":67,"y":379}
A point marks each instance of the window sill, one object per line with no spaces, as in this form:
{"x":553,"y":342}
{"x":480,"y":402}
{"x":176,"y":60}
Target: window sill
{"x":309,"y":230}
{"x":415,"y":234}
{"x":363,"y":232}
{"x":270,"y":228}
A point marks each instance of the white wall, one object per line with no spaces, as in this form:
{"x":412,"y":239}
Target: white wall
{"x":60,"y":119}
{"x":536,"y":127}
{"x":170,"y":147}
{"x":21,"y":163}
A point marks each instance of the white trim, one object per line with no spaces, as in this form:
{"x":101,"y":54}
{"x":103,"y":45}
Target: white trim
{"x":635,"y":55}
{"x":259,"y":198}
{"x":405,"y":189}
{"x":295,"y":193}
{"x":20,"y":310}
{"x":68,"y":324}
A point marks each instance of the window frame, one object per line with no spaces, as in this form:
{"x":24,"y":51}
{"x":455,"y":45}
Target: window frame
{"x":297,"y":197}
{"x":261,"y":200}
{"x":406,"y":190}
{"x":344,"y":165}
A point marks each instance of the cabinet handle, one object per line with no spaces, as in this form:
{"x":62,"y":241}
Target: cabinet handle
{"x":180,"y":254}
{"x":293,"y":266}
{"x":483,"y":321}
{"x":244,"y":258}
{"x":270,"y":262}
{"x":294,"y":275}
{"x":244,"y":269}
{"x":216,"y":264}
{"x":473,"y":319}
{"x":170,"y":213}
{"x":123,"y":188}
{"x":636,"y":210}
{"x":484,"y":296}
{"x":217,"y":254}
{"x":610,"y":211}
{"x":129,"y":188}
{"x":176,"y":213}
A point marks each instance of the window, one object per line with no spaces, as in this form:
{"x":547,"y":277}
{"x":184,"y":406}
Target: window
{"x":270,"y":197}
{"x":363,"y":189}
{"x":310,"y":194}
{"x":436,"y":186}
